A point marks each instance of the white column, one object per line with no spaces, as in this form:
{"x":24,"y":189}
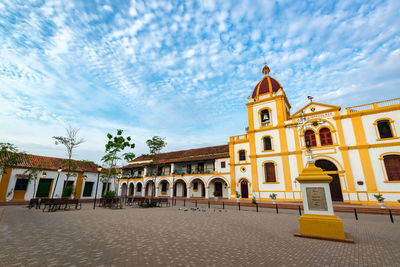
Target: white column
{"x":188,"y":192}
{"x":171,"y":191}
{"x":207,"y":192}
{"x":145,"y":171}
{"x":156,"y":191}
{"x":172,"y":167}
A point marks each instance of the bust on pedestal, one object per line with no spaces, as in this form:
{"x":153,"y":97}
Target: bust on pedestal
{"x":318,"y":221}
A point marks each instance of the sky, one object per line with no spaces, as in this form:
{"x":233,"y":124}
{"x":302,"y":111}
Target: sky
{"x":182,"y":69}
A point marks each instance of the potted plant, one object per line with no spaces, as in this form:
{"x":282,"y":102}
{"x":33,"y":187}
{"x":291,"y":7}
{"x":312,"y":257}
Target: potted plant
{"x":380,"y":199}
{"x":273,"y":197}
{"x":216,"y":194}
{"x":237,"y":196}
{"x":254,"y":200}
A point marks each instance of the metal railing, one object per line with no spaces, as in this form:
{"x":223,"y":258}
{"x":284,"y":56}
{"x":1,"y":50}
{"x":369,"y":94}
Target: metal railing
{"x":186,"y":172}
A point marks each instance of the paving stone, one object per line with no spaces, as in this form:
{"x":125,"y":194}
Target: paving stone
{"x":171,"y":237}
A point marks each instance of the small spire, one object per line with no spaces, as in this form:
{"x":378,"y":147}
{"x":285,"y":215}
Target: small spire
{"x":265,"y":69}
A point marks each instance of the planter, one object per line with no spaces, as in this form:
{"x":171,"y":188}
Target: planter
{"x":216,"y":199}
{"x":382,"y":204}
{"x":273,"y":201}
{"x":237,"y":199}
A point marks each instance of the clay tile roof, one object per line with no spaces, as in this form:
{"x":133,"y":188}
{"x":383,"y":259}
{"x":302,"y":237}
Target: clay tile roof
{"x":264,"y":86}
{"x":51,"y":163}
{"x":204,"y":153}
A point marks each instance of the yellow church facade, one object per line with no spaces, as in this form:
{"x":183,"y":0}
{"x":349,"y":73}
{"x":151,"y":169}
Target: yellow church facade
{"x":357,"y":146}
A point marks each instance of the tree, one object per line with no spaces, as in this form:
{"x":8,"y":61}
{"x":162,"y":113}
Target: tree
{"x":70,"y":141}
{"x":10,"y":156}
{"x":155,"y":144}
{"x":34,"y":174}
{"x":115,"y":145}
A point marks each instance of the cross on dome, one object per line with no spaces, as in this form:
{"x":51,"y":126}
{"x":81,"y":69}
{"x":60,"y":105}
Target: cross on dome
{"x":265,"y":69}
{"x":267,"y":85}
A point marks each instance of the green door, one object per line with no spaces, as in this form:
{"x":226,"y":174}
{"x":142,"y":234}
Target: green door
{"x":43,"y":188}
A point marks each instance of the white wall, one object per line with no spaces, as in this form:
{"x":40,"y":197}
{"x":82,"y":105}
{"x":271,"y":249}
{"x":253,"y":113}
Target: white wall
{"x":241,"y":146}
{"x":218,"y":165}
{"x":369,"y":127}
{"x":50,"y":175}
{"x":273,"y":114}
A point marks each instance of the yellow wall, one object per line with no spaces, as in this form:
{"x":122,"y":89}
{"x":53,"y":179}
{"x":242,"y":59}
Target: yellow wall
{"x":4,"y":183}
{"x":364,"y":154}
{"x":79,"y":184}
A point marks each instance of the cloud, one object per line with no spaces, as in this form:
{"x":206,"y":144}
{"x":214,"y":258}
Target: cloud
{"x":182,"y":70}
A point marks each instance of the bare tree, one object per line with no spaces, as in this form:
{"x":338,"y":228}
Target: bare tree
{"x":70,"y":141}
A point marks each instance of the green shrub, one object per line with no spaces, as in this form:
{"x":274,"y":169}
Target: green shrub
{"x":109,"y":194}
{"x":68,"y":190}
{"x":379,"y":197}
{"x":273,"y":196}
{"x":237,"y":194}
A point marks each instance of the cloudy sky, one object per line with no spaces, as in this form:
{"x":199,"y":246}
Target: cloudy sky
{"x":182,"y":70}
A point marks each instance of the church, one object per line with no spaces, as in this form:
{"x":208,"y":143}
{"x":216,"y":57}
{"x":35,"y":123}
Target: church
{"x":357,"y":146}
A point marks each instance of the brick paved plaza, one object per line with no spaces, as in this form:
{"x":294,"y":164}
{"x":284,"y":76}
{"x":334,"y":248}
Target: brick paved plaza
{"x":172,"y":237}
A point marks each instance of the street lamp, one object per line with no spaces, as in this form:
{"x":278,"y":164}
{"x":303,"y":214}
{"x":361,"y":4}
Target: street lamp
{"x":58,"y":175}
{"x":99,"y":168}
{"x":44,"y":174}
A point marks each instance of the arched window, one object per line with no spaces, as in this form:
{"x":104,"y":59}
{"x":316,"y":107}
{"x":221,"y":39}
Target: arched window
{"x":264,"y":115}
{"x":385,"y":131}
{"x":269,"y":172}
{"x":309,"y":137}
{"x":392,"y":166}
{"x":325,"y":136}
{"x":242,"y":155}
{"x":267,"y":143}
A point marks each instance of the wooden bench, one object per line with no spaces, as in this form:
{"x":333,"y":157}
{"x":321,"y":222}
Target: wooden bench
{"x":138,"y":200}
{"x":34,"y":202}
{"x":110,"y":202}
{"x":129,"y":201}
{"x":60,"y":203}
{"x":162,"y":201}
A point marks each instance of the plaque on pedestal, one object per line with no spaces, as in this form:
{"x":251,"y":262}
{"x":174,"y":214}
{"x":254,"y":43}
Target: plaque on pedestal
{"x":319,"y":220}
{"x":316,"y":199}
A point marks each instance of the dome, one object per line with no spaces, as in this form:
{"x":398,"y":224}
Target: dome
{"x":266,"y":85}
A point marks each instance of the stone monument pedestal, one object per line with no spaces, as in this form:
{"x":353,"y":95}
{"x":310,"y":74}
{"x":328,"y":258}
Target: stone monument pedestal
{"x":319,"y":220}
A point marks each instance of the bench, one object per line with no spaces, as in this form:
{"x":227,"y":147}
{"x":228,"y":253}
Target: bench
{"x":110,"y":202}
{"x":162,"y":201}
{"x":34,"y":202}
{"x":60,"y":203}
{"x":129,"y":201}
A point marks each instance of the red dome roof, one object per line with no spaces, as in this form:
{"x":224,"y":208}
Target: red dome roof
{"x":266,"y":85}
